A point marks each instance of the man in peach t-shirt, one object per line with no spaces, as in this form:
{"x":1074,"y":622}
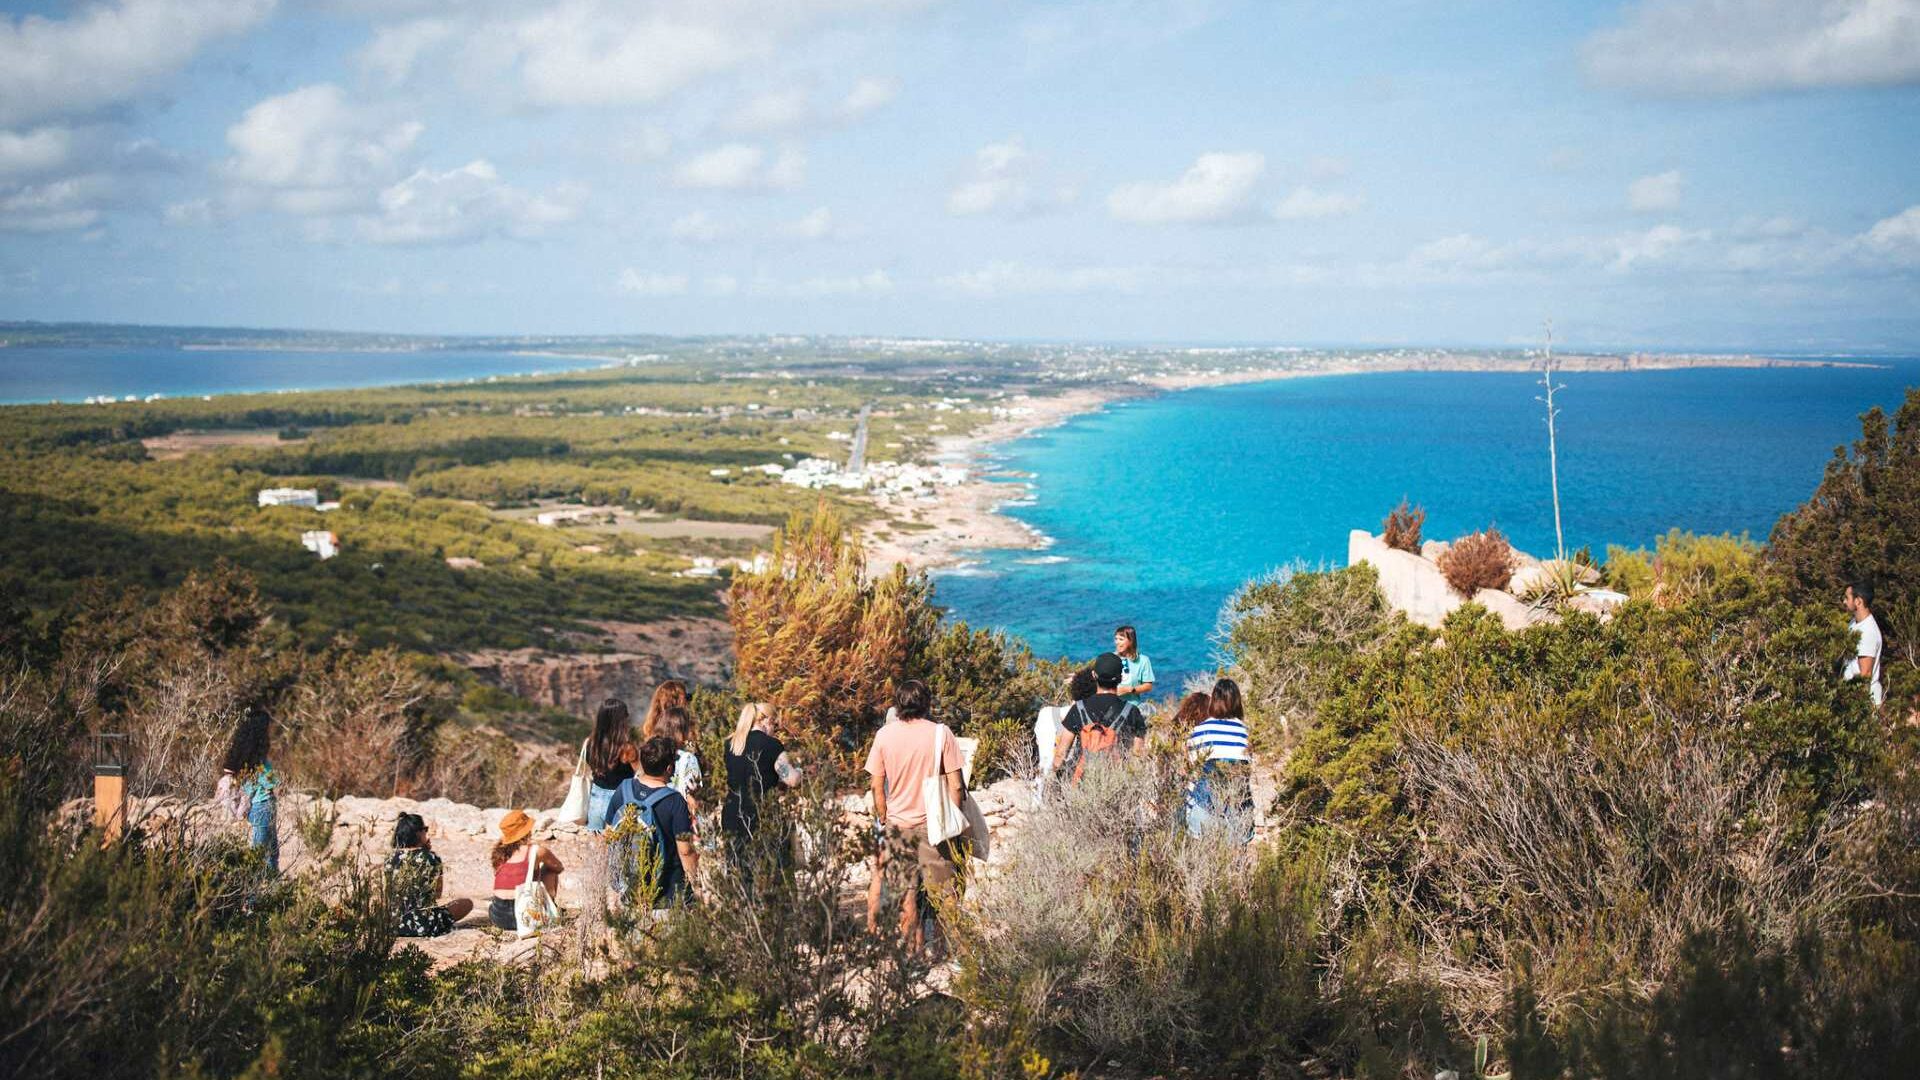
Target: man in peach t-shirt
{"x":900,"y":762}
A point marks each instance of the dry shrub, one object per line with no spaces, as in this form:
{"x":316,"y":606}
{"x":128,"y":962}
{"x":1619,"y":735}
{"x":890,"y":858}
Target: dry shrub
{"x":357,"y":723}
{"x":1401,"y":530}
{"x":1108,"y":929}
{"x":1590,"y":858}
{"x":1481,"y":560}
{"x":812,"y":634}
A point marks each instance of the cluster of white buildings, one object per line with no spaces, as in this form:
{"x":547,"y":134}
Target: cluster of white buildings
{"x":705,"y":566}
{"x":890,"y":476}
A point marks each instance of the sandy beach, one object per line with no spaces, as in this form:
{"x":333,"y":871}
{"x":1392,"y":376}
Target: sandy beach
{"x":926,"y":534}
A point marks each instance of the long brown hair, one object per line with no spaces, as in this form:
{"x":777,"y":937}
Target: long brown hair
{"x":671,"y":694}
{"x":502,"y":852}
{"x":1225,"y":703}
{"x":612,"y":733}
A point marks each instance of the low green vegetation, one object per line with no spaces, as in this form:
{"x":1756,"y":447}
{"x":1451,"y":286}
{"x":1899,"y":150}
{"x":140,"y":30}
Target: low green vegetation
{"x":1670,"y":843}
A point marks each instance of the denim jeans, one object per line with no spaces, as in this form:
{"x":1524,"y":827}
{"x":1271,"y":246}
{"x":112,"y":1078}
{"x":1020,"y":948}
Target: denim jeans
{"x":265,"y":835}
{"x":598,"y":799}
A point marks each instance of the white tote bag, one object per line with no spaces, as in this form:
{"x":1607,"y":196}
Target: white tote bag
{"x":575,"y":808}
{"x":533,"y":906}
{"x":945,"y":820}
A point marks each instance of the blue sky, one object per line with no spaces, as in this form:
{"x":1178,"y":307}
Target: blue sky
{"x":1662,"y":173}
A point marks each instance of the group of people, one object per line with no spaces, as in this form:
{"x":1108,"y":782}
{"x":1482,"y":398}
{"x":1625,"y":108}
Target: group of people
{"x":645,"y":787}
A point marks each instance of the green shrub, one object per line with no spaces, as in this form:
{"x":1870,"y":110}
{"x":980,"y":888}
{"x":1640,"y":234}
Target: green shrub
{"x":1863,"y":523}
{"x":1681,"y":567}
{"x":1296,"y":637}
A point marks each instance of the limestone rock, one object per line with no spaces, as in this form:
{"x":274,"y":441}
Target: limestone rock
{"x":1411,"y":583}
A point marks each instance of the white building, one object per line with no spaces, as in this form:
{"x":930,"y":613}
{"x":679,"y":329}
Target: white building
{"x":321,"y":543}
{"x":306,"y":497}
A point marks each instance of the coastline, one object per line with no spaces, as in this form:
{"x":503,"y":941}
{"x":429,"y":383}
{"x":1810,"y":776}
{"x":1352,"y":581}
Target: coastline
{"x":939,"y":532}
{"x":943,"y":533}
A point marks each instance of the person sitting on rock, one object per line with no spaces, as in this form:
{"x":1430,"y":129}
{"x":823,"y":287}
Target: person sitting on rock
{"x":415,"y":880}
{"x":511,"y":870}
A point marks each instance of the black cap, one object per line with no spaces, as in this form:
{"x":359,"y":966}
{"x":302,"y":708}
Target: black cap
{"x":1106,"y":667}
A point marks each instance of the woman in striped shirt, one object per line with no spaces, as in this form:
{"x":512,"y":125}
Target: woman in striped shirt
{"x":1222,"y":795}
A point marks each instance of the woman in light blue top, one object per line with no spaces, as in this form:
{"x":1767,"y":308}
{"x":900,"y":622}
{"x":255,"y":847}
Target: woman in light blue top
{"x":247,"y":763}
{"x":1136,"y":671}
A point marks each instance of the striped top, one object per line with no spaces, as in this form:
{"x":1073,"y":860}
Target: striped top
{"x":1222,"y":739}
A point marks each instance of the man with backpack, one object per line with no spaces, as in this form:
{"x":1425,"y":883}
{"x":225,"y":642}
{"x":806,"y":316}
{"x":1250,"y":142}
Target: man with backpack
{"x":1105,"y":723}
{"x":650,"y":838}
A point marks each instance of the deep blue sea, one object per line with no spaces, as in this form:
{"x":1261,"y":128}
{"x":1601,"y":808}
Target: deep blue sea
{"x":1159,"y":508}
{"x":32,"y":374}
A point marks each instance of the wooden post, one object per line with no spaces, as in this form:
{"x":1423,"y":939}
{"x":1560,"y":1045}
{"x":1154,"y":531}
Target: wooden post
{"x":110,"y":785}
{"x":110,"y":801}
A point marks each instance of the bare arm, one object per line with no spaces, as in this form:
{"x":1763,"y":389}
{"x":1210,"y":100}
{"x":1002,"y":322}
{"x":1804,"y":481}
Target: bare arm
{"x":1866,"y":667}
{"x":954,"y":790}
{"x":879,"y":797}
{"x":786,"y":770}
{"x":1061,"y":744}
{"x":689,"y":854}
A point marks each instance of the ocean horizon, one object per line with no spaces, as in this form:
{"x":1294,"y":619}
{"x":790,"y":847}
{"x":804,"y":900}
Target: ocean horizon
{"x":39,"y":375}
{"x":1157,"y":509}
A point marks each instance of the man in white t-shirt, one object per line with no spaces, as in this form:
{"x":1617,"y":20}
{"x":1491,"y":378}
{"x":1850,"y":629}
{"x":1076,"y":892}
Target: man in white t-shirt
{"x":1866,"y":659}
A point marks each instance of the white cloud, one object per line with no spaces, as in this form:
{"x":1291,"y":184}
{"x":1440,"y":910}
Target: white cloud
{"x":35,"y":153}
{"x":1006,"y":179}
{"x":467,"y":203}
{"x":1465,"y":257}
{"x":311,"y":152}
{"x":867,"y":96}
{"x":1218,"y":187}
{"x":1898,"y":235}
{"x":774,"y":110}
{"x":1014,"y":278}
{"x":75,"y":202}
{"x":1308,"y":204}
{"x":1652,"y":194}
{"x":699,"y":227}
{"x":389,"y":59}
{"x":652,"y":284}
{"x":816,"y":224}
{"x":870,"y":283}
{"x":742,"y":167}
{"x":560,"y":53}
{"x":107,"y":52}
{"x":1726,"y":47}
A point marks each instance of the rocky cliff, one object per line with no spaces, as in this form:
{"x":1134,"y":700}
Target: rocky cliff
{"x":636,"y":659}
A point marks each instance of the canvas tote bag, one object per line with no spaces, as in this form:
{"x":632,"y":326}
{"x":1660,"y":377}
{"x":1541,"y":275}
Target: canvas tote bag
{"x":533,"y":906}
{"x":945,"y":820}
{"x":575,"y":808}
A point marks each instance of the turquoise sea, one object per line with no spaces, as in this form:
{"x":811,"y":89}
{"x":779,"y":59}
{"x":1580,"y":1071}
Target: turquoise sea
{"x":36,"y":374}
{"x":1159,"y":508}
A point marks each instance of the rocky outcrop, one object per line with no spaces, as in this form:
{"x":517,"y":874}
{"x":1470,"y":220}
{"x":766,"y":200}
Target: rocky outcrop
{"x":638,"y":657}
{"x":1415,"y":587}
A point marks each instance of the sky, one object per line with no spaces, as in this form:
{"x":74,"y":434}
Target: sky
{"x":1711,"y":174}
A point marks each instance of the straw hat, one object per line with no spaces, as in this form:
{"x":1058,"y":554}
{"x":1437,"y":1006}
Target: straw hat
{"x":515,"y":827}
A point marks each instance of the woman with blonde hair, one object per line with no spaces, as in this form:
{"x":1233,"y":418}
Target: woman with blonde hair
{"x":756,"y":763}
